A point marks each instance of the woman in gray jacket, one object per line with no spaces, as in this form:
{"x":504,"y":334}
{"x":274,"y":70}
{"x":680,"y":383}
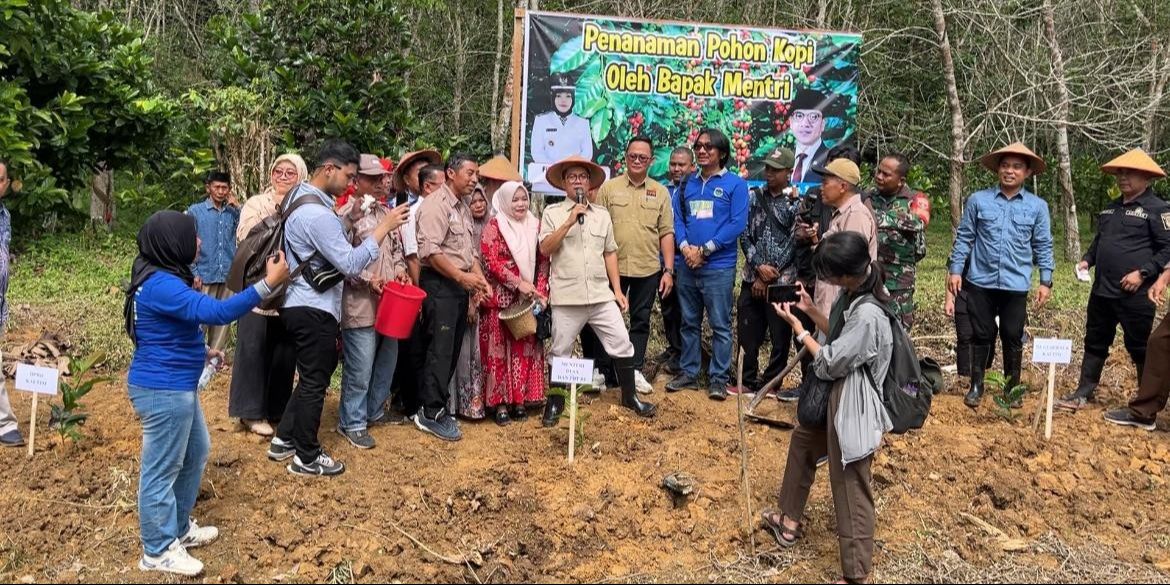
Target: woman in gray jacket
{"x":859,"y":335}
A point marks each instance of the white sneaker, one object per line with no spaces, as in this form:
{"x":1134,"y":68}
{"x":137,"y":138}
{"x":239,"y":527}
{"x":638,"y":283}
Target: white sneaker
{"x":173,"y":560}
{"x":598,"y":381}
{"x":198,"y":535}
{"x":642,"y":384}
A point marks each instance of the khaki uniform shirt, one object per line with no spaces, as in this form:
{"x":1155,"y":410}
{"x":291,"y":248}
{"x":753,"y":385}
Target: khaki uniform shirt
{"x":642,"y":216}
{"x":578,"y":274}
{"x":854,"y":216}
{"x":444,"y":226}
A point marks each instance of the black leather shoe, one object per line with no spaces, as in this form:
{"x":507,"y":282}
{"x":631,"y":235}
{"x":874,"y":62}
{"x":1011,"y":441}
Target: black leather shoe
{"x":518,"y":413}
{"x":502,"y":416}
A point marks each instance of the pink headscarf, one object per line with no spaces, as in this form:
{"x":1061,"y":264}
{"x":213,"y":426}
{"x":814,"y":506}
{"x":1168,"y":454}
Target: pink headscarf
{"x":519,"y":234}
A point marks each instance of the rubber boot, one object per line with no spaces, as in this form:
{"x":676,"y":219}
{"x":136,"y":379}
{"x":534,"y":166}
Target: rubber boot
{"x":624,"y":367}
{"x":553,"y":408}
{"x":1091,"y":367}
{"x":978,"y":371}
{"x":1012,"y":364}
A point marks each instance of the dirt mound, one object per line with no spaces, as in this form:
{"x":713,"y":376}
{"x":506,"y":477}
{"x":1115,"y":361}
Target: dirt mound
{"x":502,"y":505}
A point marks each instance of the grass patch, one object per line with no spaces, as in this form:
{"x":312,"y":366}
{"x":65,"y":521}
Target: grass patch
{"x":73,"y":283}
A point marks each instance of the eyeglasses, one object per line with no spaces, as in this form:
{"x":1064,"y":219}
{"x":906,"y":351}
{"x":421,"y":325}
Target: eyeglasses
{"x":812,"y":117}
{"x":704,"y":146}
{"x":638,"y":158}
{"x":286,"y":174}
{"x":576,"y":177}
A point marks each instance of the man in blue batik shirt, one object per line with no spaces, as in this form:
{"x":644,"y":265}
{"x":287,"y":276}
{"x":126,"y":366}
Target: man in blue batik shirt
{"x":710,"y":213}
{"x":9,"y":432}
{"x":216,"y":219}
{"x":1004,"y":232}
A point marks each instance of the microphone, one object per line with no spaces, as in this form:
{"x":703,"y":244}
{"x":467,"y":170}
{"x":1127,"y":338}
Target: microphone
{"x":580,"y":201}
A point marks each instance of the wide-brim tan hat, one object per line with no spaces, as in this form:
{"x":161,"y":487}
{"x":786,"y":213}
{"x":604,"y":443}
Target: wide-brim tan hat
{"x":431,"y":156}
{"x":990,"y":161}
{"x":1134,"y":160}
{"x":500,"y":169}
{"x":555,"y":175}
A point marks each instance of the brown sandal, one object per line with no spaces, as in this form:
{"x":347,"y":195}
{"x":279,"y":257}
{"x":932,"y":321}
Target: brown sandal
{"x":785,"y":536}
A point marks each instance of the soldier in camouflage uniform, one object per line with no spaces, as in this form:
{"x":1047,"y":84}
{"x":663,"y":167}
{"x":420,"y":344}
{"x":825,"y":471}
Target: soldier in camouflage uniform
{"x":902,"y":215}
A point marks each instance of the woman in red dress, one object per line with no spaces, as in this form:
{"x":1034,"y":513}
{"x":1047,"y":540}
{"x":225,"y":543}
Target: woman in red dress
{"x":513,"y":368}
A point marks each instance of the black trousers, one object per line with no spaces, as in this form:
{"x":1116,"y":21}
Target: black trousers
{"x":672,"y":323}
{"x":641,"y":293}
{"x":1135,"y":314}
{"x":438,"y":339}
{"x":984,"y":305}
{"x":756,"y":320}
{"x":314,"y":333}
{"x":262,"y":374}
{"x":405,"y":382}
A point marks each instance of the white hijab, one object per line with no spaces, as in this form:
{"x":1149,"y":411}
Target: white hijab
{"x":519,"y":234}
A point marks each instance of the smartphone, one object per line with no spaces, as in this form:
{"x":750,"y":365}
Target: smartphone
{"x":400,"y":198}
{"x":783,"y":293}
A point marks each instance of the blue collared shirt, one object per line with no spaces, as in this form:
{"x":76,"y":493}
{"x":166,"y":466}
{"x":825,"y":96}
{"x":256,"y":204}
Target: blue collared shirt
{"x":1003,"y":239}
{"x":316,"y":228}
{"x":217,"y":230}
{"x":5,"y":241}
{"x":716,"y":214}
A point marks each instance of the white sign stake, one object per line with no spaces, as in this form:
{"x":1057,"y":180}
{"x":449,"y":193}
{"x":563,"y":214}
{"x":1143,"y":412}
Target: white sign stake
{"x":39,"y":381}
{"x":572,"y":372}
{"x":1051,"y":352}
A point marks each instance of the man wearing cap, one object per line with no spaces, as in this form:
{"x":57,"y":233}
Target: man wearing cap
{"x":807,"y":124}
{"x":216,"y":219}
{"x":643,"y":226}
{"x":559,"y":133}
{"x":902,"y":215}
{"x":451,"y":272}
{"x":769,"y":259}
{"x":710,"y":215}
{"x":584,"y":284}
{"x":1003,"y":232}
{"x":1130,"y":249}
{"x":370,"y":358}
{"x":839,"y":193}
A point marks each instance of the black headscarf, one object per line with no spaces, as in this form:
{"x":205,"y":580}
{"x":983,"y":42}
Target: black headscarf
{"x":166,"y":243}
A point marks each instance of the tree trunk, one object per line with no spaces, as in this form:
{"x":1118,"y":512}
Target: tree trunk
{"x":460,"y":75}
{"x":1068,"y":202}
{"x":958,"y":126}
{"x":497,"y":143}
{"x":101,"y":198}
{"x":1161,"y":72}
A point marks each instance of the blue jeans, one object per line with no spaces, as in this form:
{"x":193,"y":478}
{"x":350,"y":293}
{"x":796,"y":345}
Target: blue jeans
{"x":370,"y":359}
{"x":710,"y":290}
{"x":175,"y":445}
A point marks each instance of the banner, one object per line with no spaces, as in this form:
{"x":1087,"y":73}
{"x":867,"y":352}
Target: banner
{"x":592,"y":83}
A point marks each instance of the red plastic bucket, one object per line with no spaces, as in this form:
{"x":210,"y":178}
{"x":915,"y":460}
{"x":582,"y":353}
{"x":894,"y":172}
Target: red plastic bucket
{"x":399,"y":309}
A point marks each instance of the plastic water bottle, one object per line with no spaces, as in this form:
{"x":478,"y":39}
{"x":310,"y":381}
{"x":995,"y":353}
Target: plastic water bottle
{"x":208,"y":372}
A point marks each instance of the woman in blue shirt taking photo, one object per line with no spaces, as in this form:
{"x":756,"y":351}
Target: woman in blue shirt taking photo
{"x":163,"y":315}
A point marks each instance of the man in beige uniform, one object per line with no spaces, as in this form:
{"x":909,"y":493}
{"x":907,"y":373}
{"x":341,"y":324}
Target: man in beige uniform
{"x":450,"y":274}
{"x":839,"y":191}
{"x":584,"y":284}
{"x":643,"y":226}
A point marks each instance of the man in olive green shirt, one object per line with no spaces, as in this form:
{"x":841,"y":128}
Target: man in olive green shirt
{"x":643,"y":225}
{"x":584,"y":286}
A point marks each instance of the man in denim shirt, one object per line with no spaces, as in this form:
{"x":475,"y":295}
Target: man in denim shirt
{"x":9,"y":432}
{"x":216,"y":219}
{"x":314,"y":234}
{"x":1004,"y":232}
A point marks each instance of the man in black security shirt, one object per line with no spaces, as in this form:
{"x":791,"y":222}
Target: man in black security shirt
{"x":1131,"y":248}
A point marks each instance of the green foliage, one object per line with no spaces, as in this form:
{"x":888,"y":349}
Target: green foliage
{"x":1007,"y":398}
{"x":67,"y":417}
{"x":75,"y":96}
{"x":330,"y":69}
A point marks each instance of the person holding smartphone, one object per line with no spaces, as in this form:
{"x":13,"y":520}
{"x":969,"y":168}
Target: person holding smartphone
{"x":769,"y":250}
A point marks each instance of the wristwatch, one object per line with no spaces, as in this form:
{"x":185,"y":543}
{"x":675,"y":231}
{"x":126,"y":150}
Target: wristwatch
{"x":669,"y":271}
{"x":800,"y":338}
{"x":705,"y":251}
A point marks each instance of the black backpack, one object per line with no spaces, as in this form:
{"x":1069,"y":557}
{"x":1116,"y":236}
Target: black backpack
{"x":265,"y":239}
{"x":910,"y":383}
